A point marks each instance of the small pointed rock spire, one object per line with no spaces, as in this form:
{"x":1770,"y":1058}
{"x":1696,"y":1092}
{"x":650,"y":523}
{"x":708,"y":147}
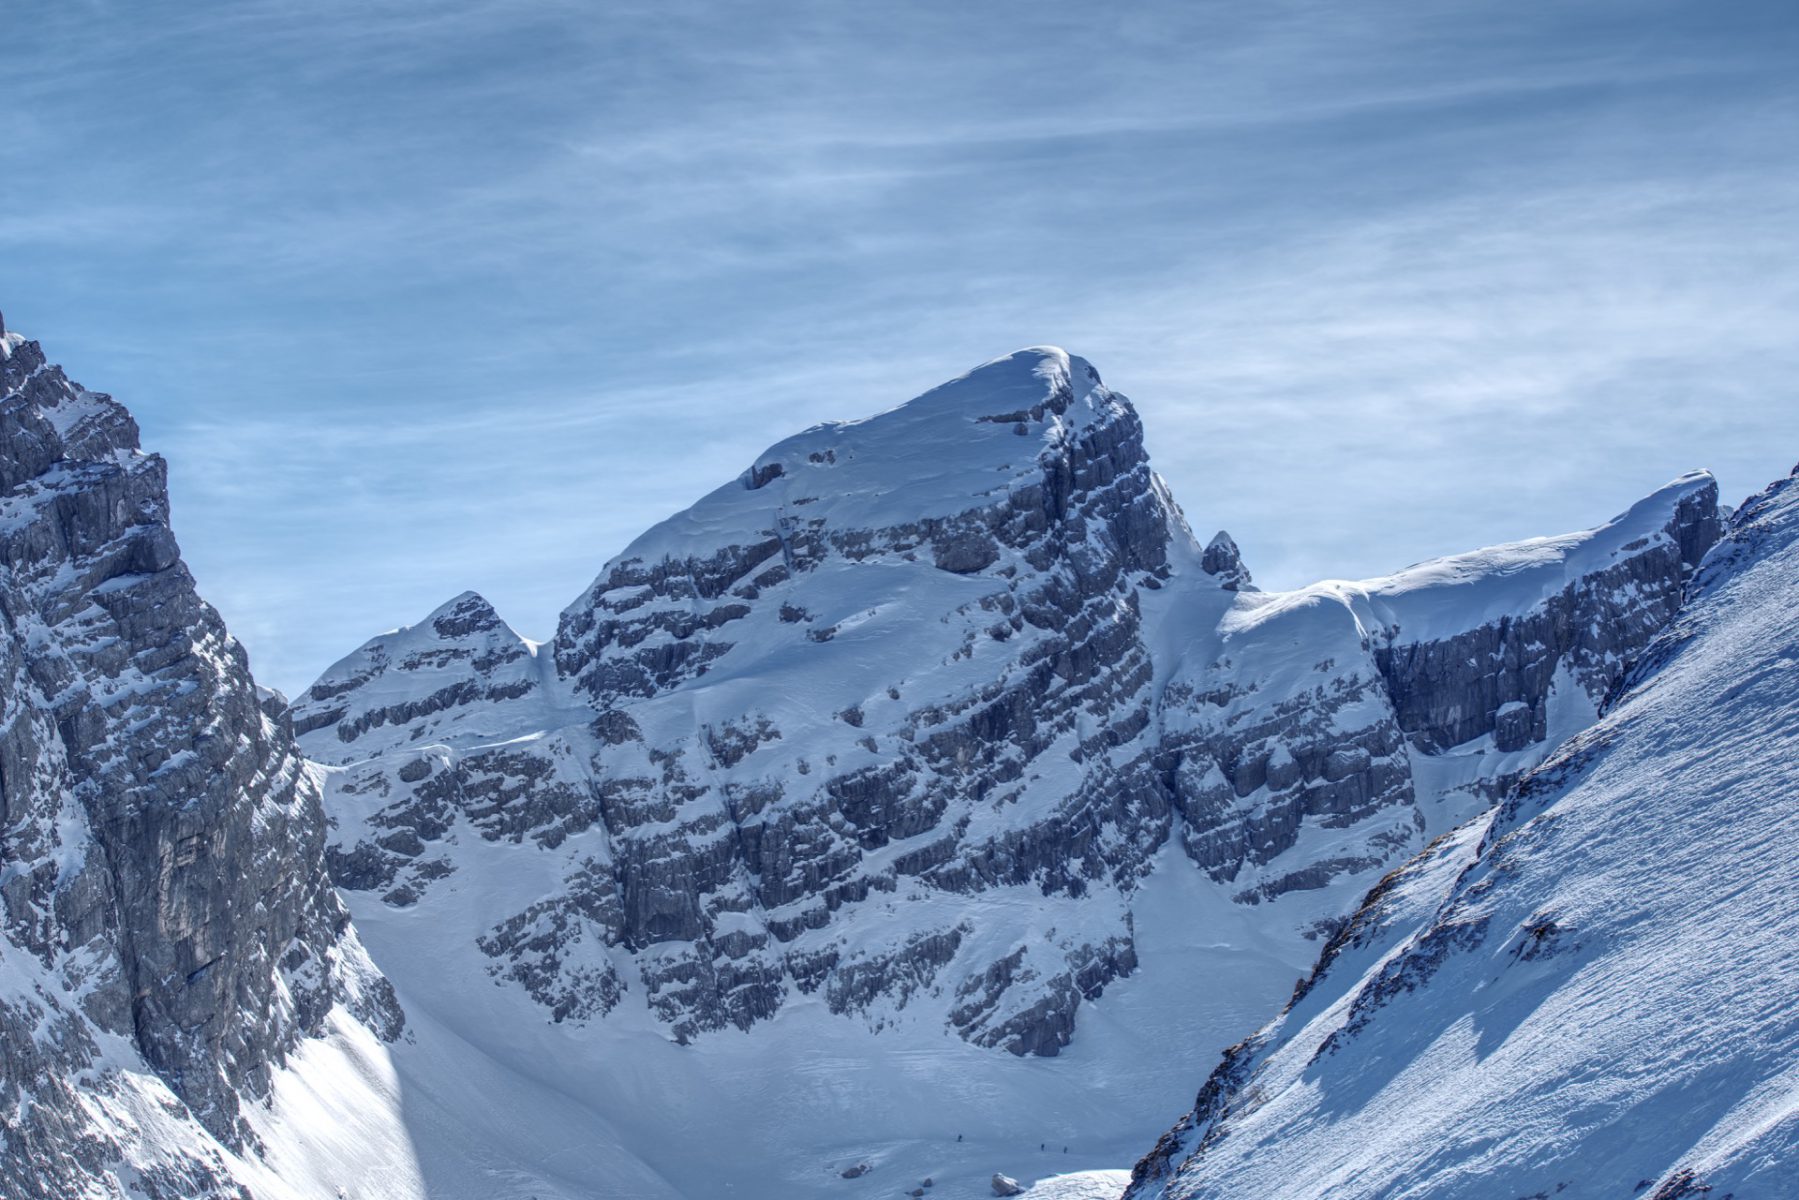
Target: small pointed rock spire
{"x":463,"y":615}
{"x":1224,"y":561}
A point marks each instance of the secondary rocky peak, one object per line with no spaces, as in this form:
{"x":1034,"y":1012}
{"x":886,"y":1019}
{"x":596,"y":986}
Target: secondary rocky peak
{"x":460,"y":673}
{"x":45,"y":418}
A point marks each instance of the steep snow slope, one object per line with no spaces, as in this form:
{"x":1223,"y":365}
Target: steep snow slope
{"x":176,"y":972}
{"x":931,"y":736}
{"x":1588,"y":992}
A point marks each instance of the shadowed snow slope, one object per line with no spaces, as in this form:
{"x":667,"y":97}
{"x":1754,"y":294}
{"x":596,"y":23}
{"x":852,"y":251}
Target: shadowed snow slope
{"x":925,"y":797}
{"x":1589,"y":991}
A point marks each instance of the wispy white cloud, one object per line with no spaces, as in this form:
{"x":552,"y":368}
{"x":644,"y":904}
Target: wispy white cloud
{"x":425,"y":296}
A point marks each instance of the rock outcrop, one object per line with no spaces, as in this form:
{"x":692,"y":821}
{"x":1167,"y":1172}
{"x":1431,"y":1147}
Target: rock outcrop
{"x":1224,"y":561}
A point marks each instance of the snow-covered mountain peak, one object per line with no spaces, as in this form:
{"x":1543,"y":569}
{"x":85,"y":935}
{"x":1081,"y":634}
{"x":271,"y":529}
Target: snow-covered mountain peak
{"x":815,"y":734}
{"x":959,"y":447}
{"x":1003,"y":385}
{"x":1024,"y":466}
{"x":460,"y":675}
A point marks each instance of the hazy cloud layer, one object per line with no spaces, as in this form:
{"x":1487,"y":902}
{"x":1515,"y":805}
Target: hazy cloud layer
{"x":418,"y":298}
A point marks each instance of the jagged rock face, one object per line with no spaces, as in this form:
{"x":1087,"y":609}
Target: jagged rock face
{"x":1335,"y":707}
{"x":1497,"y":677}
{"x":161,"y":863}
{"x":1223,"y":560}
{"x":1587,"y":991}
{"x":963,"y":658}
{"x":467,"y":665}
{"x":992,"y":754}
{"x":1254,"y":762}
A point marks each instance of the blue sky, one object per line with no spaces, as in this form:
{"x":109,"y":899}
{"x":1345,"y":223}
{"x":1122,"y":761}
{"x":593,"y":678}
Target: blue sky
{"x":419,"y":297}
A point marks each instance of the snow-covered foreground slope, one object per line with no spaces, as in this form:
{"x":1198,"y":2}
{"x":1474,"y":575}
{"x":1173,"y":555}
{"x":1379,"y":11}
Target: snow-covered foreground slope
{"x":928,"y":780}
{"x":1590,"y":991}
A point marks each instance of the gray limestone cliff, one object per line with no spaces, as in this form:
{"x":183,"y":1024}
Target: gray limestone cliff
{"x":167,"y":919}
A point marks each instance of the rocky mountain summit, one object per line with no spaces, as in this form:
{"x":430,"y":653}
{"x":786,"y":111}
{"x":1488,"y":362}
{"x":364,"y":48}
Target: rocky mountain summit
{"x":928,"y":780}
{"x":1588,"y":990}
{"x":169,"y":935}
{"x":899,"y":721}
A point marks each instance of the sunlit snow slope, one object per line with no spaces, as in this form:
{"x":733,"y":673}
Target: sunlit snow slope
{"x":1590,"y":992}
